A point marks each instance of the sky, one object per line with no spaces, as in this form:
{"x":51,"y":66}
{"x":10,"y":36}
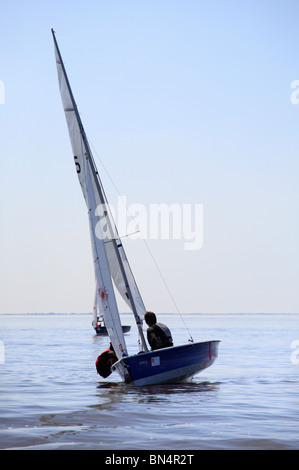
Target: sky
{"x":185,"y":102}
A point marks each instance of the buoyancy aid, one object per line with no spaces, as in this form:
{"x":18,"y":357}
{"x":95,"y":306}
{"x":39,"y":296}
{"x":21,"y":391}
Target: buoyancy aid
{"x":167,"y":333}
{"x":159,"y":336}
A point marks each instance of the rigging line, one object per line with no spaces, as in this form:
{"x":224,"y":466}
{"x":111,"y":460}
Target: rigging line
{"x":167,"y":288}
{"x":121,"y":237}
{"x":146,"y":244}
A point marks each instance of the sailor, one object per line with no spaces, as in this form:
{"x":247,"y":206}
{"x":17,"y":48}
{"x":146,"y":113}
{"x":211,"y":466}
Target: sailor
{"x":158,"y":335}
{"x":105,"y":361}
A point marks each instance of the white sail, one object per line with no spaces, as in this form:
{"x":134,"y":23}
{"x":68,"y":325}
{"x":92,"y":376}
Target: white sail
{"x":106,"y":298}
{"x":89,"y":182}
{"x":115,"y":268}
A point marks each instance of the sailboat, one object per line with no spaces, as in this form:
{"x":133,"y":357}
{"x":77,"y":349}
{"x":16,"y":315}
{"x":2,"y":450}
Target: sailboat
{"x":111,"y":267}
{"x":99,"y":325}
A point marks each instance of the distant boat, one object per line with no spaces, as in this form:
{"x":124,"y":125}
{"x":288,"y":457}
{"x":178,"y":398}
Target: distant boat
{"x":172,"y":364}
{"x":101,"y":330}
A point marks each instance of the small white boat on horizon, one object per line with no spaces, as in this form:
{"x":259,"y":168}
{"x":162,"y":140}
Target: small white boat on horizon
{"x":100,"y":328}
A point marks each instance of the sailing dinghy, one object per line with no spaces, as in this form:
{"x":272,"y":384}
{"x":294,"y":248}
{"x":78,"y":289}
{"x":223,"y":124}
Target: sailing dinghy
{"x":100,"y":328}
{"x":111,"y":266}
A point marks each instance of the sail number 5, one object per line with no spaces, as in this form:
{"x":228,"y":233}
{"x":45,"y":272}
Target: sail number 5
{"x":78,"y":167}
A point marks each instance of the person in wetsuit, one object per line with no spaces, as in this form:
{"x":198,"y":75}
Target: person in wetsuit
{"x":105,"y":361}
{"x":158,"y":334}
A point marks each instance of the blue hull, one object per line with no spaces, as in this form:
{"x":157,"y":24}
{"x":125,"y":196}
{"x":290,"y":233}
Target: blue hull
{"x":168,"y":365}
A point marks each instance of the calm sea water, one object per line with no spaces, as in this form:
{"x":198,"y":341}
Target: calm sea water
{"x":52,"y":398}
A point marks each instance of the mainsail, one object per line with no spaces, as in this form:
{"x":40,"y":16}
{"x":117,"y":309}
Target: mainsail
{"x":109,"y":256}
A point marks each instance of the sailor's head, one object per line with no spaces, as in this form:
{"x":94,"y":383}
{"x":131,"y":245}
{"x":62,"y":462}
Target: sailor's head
{"x":150,"y":318}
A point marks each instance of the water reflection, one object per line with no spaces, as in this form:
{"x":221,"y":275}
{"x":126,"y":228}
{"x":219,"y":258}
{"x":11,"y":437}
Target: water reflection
{"x":119,"y":392}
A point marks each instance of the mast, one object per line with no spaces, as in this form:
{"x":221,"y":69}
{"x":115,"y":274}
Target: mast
{"x":117,"y":245}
